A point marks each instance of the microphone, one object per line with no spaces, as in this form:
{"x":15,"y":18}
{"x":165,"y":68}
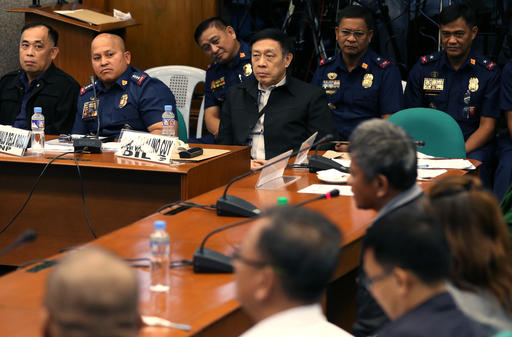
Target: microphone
{"x":230,"y":205}
{"x":317,"y":163}
{"x":28,"y":236}
{"x":92,"y":145}
{"x":210,"y":261}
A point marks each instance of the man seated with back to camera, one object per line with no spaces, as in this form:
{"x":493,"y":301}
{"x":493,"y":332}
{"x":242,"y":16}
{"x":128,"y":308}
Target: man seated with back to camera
{"x":406,"y":263}
{"x":383,"y":173}
{"x":273,"y":112}
{"x":231,"y":64}
{"x":127,"y":97}
{"x":282,"y":269}
{"x":39,"y":83}
{"x":91,"y":293}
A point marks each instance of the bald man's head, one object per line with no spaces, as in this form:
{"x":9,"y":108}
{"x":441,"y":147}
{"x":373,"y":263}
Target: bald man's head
{"x":109,"y":57}
{"x":92,"y":293}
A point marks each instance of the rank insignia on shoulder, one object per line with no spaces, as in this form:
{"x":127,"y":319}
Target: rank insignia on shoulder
{"x":139,"y":78}
{"x":384,"y":64}
{"x":326,"y":61}
{"x":84,"y":89}
{"x":428,"y":58}
{"x":123,"y":101}
{"x":491,"y":65}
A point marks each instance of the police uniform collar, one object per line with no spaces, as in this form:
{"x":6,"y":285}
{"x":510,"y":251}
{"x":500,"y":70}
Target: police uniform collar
{"x":365,"y":59}
{"x":122,"y":81}
{"x":242,"y":54}
{"x":471,"y":60}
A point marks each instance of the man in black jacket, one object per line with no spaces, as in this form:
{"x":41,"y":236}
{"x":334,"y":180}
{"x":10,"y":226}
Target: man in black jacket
{"x":274,"y":112}
{"x":39,"y":83}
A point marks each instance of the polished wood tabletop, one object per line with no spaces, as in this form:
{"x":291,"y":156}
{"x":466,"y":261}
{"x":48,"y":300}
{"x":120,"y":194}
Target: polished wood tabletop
{"x":118,"y":191}
{"x":204,"y":301}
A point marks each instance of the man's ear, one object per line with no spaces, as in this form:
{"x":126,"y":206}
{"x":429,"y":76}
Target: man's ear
{"x":266,"y":284}
{"x":404,"y":281}
{"x":54,"y":52}
{"x":128,"y":56}
{"x":288,"y":59}
{"x":381,"y":185}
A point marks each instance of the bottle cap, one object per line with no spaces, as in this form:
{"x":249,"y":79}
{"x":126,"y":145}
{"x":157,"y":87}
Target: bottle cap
{"x":38,"y":109}
{"x":168,"y":107}
{"x":159,"y":225}
{"x":282,"y":201}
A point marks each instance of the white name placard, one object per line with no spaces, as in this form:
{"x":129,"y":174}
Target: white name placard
{"x":146,"y":146}
{"x":13,"y":140}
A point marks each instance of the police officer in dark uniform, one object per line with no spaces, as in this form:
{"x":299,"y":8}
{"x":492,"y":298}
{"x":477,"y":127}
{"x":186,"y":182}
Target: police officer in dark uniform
{"x":39,"y":83}
{"x":462,"y":83}
{"x":503,"y":174}
{"x":358,"y":82}
{"x":127,"y":97}
{"x":231,"y":65}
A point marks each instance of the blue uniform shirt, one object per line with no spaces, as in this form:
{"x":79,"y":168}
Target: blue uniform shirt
{"x":465,"y":94}
{"x":134,"y":101}
{"x":372,"y":89}
{"x":220,"y":77}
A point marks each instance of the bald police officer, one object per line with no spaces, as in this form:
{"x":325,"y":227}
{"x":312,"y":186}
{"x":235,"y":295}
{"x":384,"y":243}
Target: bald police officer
{"x":127,"y":97}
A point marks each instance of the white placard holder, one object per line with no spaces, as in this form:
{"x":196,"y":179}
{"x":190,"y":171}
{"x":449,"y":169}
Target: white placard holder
{"x":146,"y":146}
{"x":302,"y":157}
{"x":271,"y":177}
{"x":13,"y":140}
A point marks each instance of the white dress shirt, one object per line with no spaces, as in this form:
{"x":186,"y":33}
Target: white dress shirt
{"x":258,"y":132}
{"x":303,"y":321}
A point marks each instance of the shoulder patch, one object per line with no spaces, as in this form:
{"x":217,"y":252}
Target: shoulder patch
{"x":488,"y":64}
{"x":381,"y":61}
{"x":86,"y":88}
{"x":326,"y":61}
{"x":139,"y":78}
{"x":208,"y":67}
{"x":429,"y":58}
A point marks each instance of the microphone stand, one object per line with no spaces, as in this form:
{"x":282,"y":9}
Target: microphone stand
{"x":210,"y":261}
{"x":90,"y":144}
{"x":230,"y":205}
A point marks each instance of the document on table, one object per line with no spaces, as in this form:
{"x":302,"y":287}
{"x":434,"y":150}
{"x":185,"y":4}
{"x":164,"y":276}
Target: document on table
{"x":322,"y":189}
{"x":461,"y":164}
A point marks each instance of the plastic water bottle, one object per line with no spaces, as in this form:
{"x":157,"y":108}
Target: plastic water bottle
{"x":37,"y":124}
{"x":168,"y":122}
{"x":159,"y":243}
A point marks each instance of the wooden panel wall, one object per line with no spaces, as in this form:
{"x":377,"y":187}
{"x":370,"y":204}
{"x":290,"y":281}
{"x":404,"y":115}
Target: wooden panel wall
{"x":166,"y":34}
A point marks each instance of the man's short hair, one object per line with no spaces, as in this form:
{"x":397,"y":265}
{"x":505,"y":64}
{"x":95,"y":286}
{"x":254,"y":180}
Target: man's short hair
{"x":92,"y":293}
{"x":276,"y":35}
{"x":214,"y":21}
{"x":455,"y":11}
{"x":410,"y":239}
{"x":358,"y":12}
{"x":380,"y":147}
{"x":303,"y":247}
{"x":53,"y":35}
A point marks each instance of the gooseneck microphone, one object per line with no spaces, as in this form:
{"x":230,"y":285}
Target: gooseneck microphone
{"x":91,"y":144}
{"x":28,"y":236}
{"x":230,"y":205}
{"x":210,"y":261}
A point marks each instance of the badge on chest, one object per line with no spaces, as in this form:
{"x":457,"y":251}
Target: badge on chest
{"x":90,"y":109}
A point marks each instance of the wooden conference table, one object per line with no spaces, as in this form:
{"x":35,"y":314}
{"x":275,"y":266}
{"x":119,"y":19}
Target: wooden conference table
{"x":204,"y":301}
{"x":118,"y":191}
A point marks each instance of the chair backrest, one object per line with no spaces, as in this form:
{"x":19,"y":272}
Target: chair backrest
{"x":182,"y":81}
{"x":504,"y":334}
{"x":440,"y":132}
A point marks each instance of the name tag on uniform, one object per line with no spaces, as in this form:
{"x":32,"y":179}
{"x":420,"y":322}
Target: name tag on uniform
{"x":433,"y":84}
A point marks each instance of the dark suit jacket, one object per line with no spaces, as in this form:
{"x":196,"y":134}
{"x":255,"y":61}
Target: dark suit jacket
{"x":56,"y":93}
{"x":293,"y":112}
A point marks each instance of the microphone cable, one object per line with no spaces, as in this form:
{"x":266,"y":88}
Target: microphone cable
{"x":82,"y":192}
{"x":34,"y":187}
